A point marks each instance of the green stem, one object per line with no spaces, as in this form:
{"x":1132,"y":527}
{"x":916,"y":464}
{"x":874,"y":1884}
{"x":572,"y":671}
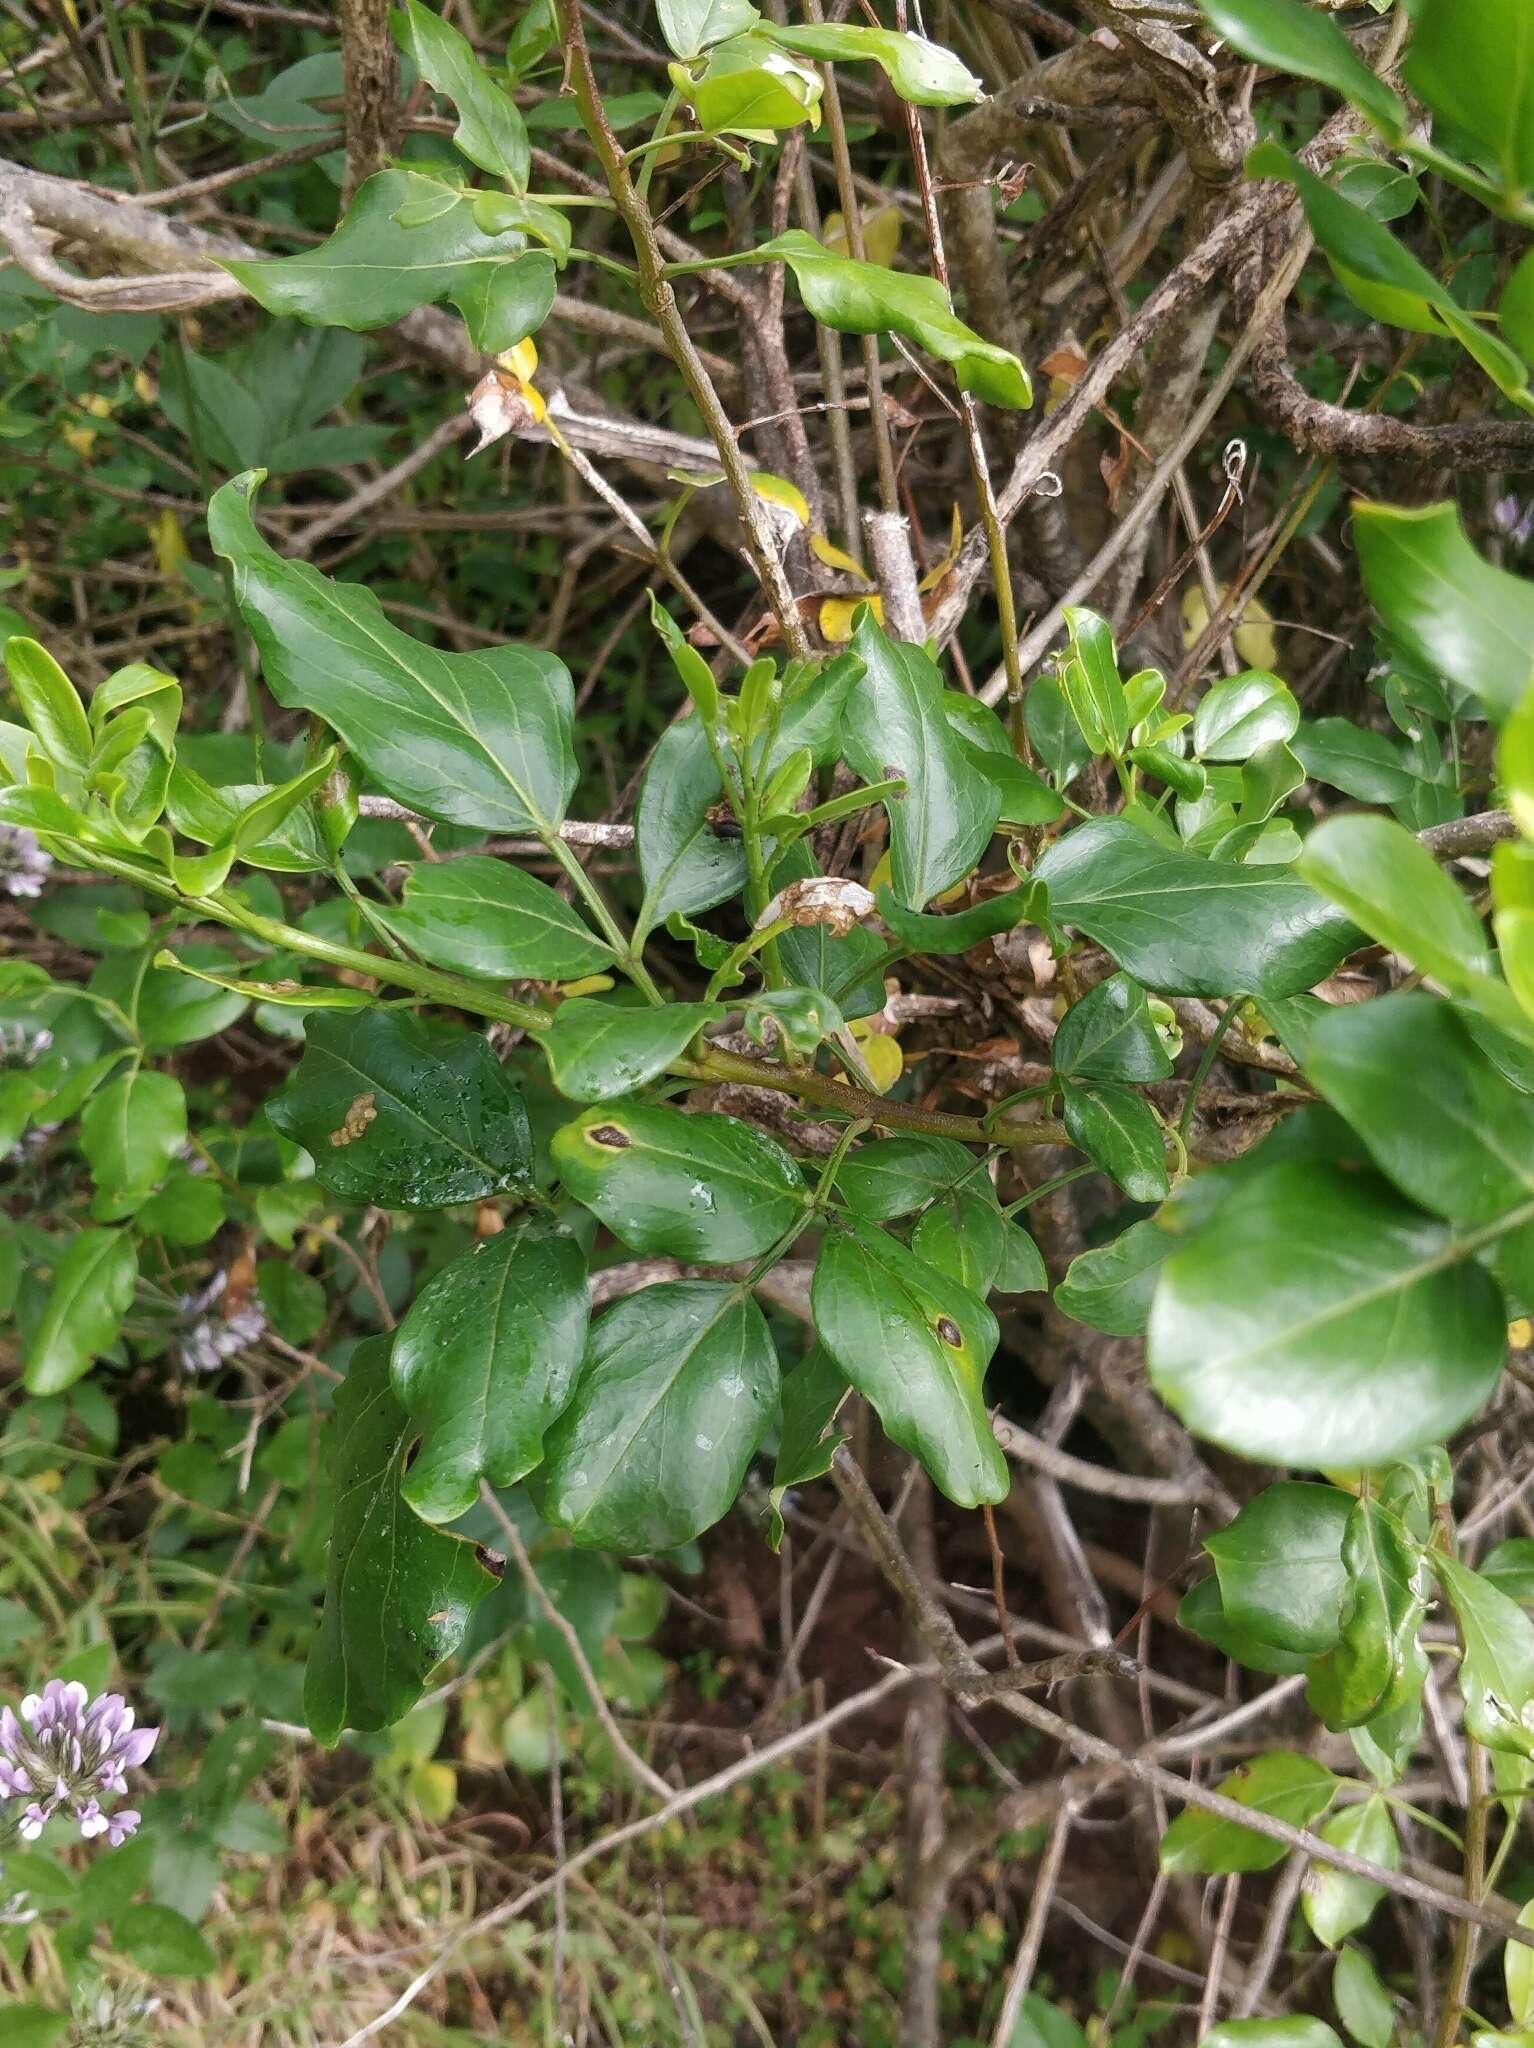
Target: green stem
{"x":1048,"y":1187}
{"x":1201,"y":1073}
{"x":628,"y":957}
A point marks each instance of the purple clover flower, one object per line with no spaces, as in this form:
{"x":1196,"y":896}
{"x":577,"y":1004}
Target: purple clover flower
{"x":23,"y":863}
{"x":66,"y":1750}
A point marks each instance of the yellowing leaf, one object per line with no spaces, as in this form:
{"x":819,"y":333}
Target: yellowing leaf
{"x":81,"y":439}
{"x":777,"y":490}
{"x":168,"y":543}
{"x":825,"y":550}
{"x":589,"y":985}
{"x":881,"y":235}
{"x":939,"y":570}
{"x":1256,"y":641}
{"x":522,"y":360}
{"x":883,"y":1059}
{"x":883,"y":873}
{"x":836,"y":615}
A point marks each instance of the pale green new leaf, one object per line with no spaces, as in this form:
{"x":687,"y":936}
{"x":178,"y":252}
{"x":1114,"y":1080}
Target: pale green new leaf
{"x":1289,"y":35}
{"x":864,"y":298}
{"x":490,"y":130}
{"x":922,"y":72}
{"x":1461,"y":616}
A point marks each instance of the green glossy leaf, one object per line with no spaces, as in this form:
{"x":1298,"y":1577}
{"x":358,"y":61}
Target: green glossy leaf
{"x":475,"y":739}
{"x":1183,"y":925}
{"x":209,"y":815}
{"x":1026,"y":798}
{"x":1391,"y":886}
{"x":503,"y":303}
{"x":685,"y":864}
{"x":34,"y":2026}
{"x":957,"y":931}
{"x":892,"y":1176}
{"x":1362,"y":764}
{"x":485,"y":1360}
{"x":1119,"y":1132}
{"x":1364,"y":2006}
{"x":1377,"y":1659}
{"x":399,"y":1595}
{"x":916,"y":1345}
{"x":1110,"y":1288}
{"x":1335,"y":1902}
{"x":1240,"y":715}
{"x":963,"y":1234}
{"x":691,"y":25}
{"x":1296,"y":2032}
{"x":1202,"y":1614}
{"x":490,"y":131}
{"x":1460,"y":616}
{"x":599,"y":1050}
{"x":406,"y":241}
{"x":748,"y":87}
{"x":707,"y":1188}
{"x":1466,"y":1151}
{"x":170,"y":1007}
{"x":1509,"y":1566}
{"x":130,"y":1131}
{"x":89,"y":1295}
{"x":1092,"y":684}
{"x":1280,"y":1566}
{"x":1475,"y":66}
{"x":483,"y":916}
{"x":1110,"y":1035}
{"x":403,"y":1113}
{"x":1323,"y":1322}
{"x":1280,"y":1784}
{"x":678,"y":1387}
{"x":864,"y":298}
{"x":162,"y":1942}
{"x":1496,"y":1672}
{"x":50,"y":703}
{"x":1289,"y":36}
{"x":1515,"y":308}
{"x":1021,"y":1269}
{"x":1518,"y":1972}
{"x":808,"y":1438}
{"x":921,"y":72}
{"x":1381,"y":275}
{"x":894,"y":725}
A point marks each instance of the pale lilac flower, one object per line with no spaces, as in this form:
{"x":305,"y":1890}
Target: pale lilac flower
{"x":65,"y":1750}
{"x":213,"y":1339}
{"x":23,"y":863}
{"x":1514,"y":520}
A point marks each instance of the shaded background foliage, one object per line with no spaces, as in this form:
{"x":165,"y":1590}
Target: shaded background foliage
{"x":1197,"y":458}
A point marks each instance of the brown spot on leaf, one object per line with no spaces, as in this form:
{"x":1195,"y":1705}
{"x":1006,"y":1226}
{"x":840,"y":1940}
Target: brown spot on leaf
{"x":950,"y":1332}
{"x":492,"y":1560}
{"x":612,"y":1137}
{"x":356,"y":1120}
